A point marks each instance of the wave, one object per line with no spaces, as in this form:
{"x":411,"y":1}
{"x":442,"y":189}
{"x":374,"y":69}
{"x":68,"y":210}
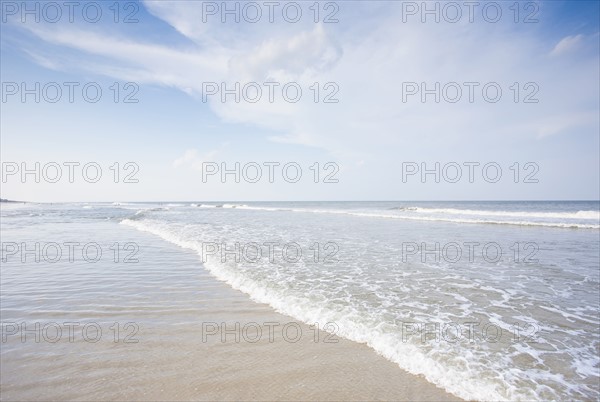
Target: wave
{"x":467,"y":383}
{"x":404,"y":208}
{"x":227,"y":206}
{"x":567,"y":225}
{"x":234,"y":206}
{"x":420,"y":215}
{"x":591,"y":215}
{"x":565,"y":220}
{"x":141,"y":213}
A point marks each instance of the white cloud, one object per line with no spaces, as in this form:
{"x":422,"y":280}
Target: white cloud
{"x":566,"y":45}
{"x":186,"y":158}
{"x":369,"y":67}
{"x":307,"y":51}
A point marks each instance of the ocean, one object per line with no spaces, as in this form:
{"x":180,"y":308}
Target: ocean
{"x":487,"y":300}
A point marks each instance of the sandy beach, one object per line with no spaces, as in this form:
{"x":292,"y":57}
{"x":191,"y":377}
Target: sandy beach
{"x":176,"y":307}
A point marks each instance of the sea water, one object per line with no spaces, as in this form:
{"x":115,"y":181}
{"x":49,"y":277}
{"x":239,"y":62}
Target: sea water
{"x":488,"y":300}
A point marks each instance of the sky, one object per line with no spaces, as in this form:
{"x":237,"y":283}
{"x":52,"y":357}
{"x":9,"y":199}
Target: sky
{"x":346,"y":100}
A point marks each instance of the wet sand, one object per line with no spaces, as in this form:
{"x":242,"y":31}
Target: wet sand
{"x":175,"y":309}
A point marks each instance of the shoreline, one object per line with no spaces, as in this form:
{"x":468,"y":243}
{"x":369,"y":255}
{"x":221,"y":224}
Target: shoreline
{"x":176,"y":305}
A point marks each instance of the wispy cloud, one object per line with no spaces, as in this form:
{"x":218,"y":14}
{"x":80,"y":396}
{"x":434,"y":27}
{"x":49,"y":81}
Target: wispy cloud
{"x":369,"y":68}
{"x":566,"y":44}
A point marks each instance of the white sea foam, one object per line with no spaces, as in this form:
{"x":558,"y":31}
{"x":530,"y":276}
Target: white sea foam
{"x":461,"y":369}
{"x":234,"y":206}
{"x":591,"y":215}
{"x":561,"y":220}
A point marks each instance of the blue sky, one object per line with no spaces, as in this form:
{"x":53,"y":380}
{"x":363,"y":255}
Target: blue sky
{"x":370,"y":54}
